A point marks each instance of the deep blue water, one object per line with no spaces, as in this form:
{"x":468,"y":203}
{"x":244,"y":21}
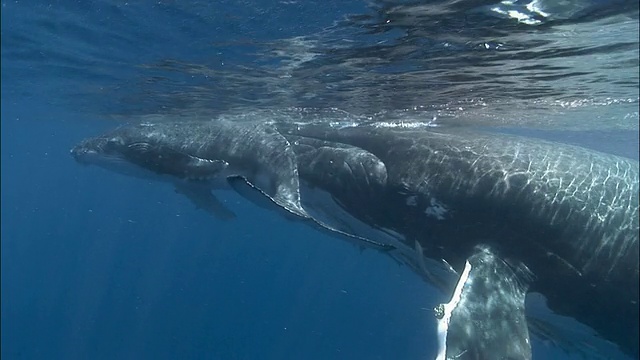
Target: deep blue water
{"x":99,"y":266}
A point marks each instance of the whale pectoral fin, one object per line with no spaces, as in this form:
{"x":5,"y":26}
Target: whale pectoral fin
{"x":485,"y":318}
{"x":201,"y":196}
{"x":260,"y":198}
{"x":254,"y":194}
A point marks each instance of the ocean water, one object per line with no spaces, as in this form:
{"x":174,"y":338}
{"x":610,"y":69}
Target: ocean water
{"x":95,"y":265}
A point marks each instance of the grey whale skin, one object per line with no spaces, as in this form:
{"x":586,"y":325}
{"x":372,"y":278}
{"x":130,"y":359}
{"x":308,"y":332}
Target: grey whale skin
{"x":549,"y":218}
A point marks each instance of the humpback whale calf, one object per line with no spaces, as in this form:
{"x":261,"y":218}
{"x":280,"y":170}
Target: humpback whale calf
{"x":489,"y":218}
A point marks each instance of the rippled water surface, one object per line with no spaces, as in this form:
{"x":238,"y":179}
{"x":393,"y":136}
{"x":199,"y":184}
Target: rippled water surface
{"x":570,"y":64}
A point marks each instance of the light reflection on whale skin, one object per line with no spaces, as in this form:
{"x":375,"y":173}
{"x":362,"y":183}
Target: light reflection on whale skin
{"x":568,"y":214}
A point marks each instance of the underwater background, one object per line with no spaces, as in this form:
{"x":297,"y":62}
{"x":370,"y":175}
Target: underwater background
{"x":95,"y":265}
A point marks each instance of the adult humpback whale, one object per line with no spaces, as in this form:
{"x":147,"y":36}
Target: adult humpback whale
{"x":506,"y":214}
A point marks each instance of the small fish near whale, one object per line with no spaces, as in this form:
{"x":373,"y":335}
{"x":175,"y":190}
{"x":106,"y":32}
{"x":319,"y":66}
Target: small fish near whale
{"x":504,"y":217}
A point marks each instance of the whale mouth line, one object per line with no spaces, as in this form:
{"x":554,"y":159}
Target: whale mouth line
{"x":88,"y":156}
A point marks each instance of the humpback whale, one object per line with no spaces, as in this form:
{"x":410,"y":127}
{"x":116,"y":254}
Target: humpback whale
{"x":489,"y":218}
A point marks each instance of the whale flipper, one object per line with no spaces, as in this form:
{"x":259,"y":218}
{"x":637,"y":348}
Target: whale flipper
{"x":201,"y":196}
{"x":257,"y":196}
{"x":485,"y":318}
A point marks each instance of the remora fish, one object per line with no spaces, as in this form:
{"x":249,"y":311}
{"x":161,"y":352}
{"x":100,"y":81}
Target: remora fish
{"x":496,"y":208}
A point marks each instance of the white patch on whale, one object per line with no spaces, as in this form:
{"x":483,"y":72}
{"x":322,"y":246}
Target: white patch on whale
{"x":447,"y":310}
{"x":437,"y":209}
{"x":412,"y":200}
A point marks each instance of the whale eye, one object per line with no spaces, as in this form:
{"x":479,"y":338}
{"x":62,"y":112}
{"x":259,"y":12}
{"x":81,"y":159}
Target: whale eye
{"x":331,"y":172}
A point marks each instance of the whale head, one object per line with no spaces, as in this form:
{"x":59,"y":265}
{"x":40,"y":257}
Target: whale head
{"x":142,"y":151}
{"x":215,"y":151}
{"x":109,"y":151}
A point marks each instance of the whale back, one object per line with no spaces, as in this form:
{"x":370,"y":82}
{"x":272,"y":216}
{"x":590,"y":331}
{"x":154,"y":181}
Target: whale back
{"x":569,"y":214}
